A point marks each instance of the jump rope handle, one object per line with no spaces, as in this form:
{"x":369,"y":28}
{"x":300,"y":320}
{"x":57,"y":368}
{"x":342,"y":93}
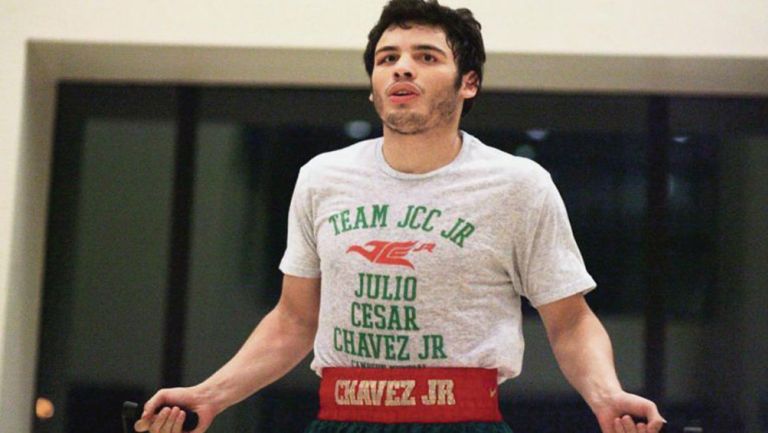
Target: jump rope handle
{"x":132,"y":413}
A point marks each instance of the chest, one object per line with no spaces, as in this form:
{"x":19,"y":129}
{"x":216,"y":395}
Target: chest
{"x":415,"y":230}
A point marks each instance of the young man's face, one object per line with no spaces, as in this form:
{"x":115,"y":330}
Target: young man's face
{"x":413,"y":85}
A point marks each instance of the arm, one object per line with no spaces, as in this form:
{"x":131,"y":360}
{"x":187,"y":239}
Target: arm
{"x":583,"y":350}
{"x":280,"y":341}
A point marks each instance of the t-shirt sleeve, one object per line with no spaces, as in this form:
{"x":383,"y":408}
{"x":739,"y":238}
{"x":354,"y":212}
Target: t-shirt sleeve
{"x":549,"y":263}
{"x":301,"y":258}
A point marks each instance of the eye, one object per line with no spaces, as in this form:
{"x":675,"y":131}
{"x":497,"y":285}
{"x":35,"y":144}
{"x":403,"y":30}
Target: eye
{"x":389,"y":58}
{"x":429,"y":58}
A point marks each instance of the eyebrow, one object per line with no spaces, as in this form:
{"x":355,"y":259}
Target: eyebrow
{"x":423,"y":47}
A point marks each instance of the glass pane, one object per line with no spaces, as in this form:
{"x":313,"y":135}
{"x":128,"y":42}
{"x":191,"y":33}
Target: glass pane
{"x":718,"y":208}
{"x":107,"y":258}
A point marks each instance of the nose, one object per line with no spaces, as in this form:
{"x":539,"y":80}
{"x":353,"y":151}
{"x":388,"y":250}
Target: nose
{"x":404,"y":68}
{"x":404,"y":74}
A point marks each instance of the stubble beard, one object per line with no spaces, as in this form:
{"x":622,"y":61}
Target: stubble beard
{"x":408,"y":122}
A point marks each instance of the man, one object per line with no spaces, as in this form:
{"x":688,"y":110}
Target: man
{"x":422,"y":243}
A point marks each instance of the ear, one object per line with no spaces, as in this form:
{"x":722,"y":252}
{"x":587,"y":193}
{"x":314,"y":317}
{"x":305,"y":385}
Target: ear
{"x":470,"y":83}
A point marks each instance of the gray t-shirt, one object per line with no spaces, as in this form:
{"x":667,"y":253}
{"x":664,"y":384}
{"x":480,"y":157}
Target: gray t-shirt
{"x":429,"y":269}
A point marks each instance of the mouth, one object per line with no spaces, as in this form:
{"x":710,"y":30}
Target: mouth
{"x":402,"y":93}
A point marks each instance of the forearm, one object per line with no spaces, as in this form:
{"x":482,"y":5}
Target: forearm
{"x":277,"y":345}
{"x":584,"y":353}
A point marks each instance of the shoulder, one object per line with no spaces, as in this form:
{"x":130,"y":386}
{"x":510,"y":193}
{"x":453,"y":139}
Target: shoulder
{"x":354,"y":155}
{"x":520,"y":173}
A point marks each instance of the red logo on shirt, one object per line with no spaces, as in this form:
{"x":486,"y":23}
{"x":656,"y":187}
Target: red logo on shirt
{"x":390,"y":253}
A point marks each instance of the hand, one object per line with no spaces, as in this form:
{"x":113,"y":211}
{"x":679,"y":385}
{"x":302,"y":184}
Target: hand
{"x":614,"y":414}
{"x":170,"y":419}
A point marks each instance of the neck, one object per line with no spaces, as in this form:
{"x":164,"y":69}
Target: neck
{"x":421,"y":153}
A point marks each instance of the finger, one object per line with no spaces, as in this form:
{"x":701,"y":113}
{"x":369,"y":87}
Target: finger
{"x":618,"y":427}
{"x":151,"y":406}
{"x":160,"y":420}
{"x":170,"y":421}
{"x":642,"y":407}
{"x":655,"y":422}
{"x":180,"y":422}
{"x":656,"y":426}
{"x":629,"y":424}
{"x":141,"y":425}
{"x":642,"y":428}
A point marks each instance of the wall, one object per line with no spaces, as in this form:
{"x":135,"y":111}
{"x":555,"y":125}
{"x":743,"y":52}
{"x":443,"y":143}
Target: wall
{"x":712,"y":46}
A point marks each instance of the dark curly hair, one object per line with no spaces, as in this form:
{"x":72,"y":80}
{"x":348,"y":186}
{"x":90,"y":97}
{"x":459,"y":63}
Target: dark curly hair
{"x":461,"y":29}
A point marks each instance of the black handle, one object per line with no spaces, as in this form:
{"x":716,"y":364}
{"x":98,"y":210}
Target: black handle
{"x":132,"y":413}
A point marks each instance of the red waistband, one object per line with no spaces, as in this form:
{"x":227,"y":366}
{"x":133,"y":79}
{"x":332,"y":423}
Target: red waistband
{"x":409,"y":395}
